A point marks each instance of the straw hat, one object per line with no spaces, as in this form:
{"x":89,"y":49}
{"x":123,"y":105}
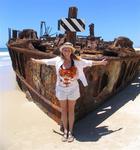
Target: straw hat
{"x":67,"y":45}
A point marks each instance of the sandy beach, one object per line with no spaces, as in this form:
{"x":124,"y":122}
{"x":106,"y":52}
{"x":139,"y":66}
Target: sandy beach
{"x":23,"y":125}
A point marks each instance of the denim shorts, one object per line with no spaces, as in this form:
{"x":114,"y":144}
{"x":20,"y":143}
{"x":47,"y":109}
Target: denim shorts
{"x":68,"y":93}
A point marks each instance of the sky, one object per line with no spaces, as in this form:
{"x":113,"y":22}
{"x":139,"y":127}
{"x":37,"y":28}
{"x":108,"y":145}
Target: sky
{"x":112,"y":18}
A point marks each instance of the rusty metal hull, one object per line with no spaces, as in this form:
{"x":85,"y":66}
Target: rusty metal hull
{"x":38,"y":81}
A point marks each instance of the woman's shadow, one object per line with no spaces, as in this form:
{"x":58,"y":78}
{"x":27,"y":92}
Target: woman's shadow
{"x":87,"y":130}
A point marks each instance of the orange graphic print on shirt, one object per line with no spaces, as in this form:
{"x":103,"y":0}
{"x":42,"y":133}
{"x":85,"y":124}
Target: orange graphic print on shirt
{"x":67,"y":75}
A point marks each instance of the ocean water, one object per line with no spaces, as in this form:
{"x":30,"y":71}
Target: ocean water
{"x":4,"y":57}
{"x":3,"y":50}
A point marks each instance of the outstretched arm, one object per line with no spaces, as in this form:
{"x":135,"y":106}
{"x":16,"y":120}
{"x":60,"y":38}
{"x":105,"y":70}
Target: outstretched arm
{"x":40,"y":61}
{"x":50,"y":61}
{"x":86,"y":63}
{"x":102,"y":62}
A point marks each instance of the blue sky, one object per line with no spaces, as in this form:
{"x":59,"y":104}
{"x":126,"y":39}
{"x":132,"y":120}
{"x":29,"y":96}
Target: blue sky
{"x":112,"y":18}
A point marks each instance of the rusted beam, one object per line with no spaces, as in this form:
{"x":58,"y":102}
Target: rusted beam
{"x":71,"y":36}
{"x":31,"y":52}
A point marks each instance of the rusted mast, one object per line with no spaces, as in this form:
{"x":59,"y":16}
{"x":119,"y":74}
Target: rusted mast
{"x":71,"y":36}
{"x":91,"y":30}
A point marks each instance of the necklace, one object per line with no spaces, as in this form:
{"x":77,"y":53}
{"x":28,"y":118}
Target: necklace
{"x":67,"y":64}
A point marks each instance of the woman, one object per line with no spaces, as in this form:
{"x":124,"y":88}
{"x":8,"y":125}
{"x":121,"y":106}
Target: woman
{"x":69,"y":68}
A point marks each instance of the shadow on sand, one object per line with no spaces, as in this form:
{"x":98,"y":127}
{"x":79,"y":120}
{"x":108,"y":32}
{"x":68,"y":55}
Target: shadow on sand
{"x":87,"y":130}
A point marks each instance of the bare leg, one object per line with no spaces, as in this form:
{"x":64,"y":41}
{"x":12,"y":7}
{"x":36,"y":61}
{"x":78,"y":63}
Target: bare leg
{"x":64,"y":114}
{"x":71,"y":114}
{"x":61,"y":125}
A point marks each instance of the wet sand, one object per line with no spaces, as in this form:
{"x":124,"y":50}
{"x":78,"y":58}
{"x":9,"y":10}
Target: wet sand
{"x":23,"y":125}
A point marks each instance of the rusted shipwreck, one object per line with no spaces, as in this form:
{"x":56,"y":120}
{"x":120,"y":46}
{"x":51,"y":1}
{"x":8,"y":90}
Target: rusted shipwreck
{"x":38,"y":81}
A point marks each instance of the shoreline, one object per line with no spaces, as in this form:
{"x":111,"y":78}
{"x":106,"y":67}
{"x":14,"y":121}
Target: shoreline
{"x":2,"y":54}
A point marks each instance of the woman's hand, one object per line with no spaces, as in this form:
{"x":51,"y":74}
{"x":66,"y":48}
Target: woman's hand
{"x":32,"y":59}
{"x":104,"y":62}
{"x":37,"y":60}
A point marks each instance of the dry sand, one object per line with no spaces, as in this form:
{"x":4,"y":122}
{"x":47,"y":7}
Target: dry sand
{"x":24,"y":126}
